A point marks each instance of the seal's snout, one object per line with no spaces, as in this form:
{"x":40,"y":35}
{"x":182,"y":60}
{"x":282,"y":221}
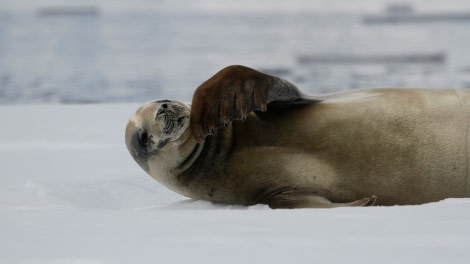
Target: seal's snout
{"x":170,"y":108}
{"x":171,"y":112}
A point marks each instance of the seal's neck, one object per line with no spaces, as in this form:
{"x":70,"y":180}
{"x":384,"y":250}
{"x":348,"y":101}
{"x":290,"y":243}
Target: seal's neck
{"x":189,"y":150}
{"x":209,"y":156}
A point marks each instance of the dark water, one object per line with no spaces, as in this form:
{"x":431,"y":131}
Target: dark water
{"x":137,"y":55}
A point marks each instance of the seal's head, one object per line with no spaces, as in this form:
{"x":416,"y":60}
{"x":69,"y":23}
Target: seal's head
{"x":158,"y":136}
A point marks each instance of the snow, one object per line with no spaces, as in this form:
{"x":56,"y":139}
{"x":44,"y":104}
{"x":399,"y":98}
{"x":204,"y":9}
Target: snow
{"x":70,"y":193}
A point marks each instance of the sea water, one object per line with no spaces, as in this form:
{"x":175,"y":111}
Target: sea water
{"x":117,"y":51}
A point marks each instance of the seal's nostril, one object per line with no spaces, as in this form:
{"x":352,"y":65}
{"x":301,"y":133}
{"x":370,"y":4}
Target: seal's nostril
{"x":161,"y":110}
{"x":180,"y":120}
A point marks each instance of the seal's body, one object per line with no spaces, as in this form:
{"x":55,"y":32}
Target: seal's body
{"x":395,"y":146}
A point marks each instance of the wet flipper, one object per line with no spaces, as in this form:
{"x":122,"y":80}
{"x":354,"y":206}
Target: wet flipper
{"x":234,"y":92}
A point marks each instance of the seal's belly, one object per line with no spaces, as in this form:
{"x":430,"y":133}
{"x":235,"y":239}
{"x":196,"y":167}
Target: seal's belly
{"x":405,"y":146}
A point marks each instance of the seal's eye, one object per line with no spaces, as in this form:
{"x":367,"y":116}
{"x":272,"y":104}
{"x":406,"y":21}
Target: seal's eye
{"x":144,"y":138}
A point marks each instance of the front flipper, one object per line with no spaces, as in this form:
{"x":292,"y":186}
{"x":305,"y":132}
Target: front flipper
{"x":234,"y":92}
{"x":298,"y":199}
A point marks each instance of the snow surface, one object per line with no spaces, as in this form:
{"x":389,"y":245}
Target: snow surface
{"x":70,"y":193}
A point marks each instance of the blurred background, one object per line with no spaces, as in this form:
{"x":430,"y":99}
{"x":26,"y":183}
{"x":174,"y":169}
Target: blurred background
{"x":133,"y":51}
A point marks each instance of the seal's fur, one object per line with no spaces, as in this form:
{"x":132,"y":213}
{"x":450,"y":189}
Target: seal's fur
{"x":254,"y":138}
